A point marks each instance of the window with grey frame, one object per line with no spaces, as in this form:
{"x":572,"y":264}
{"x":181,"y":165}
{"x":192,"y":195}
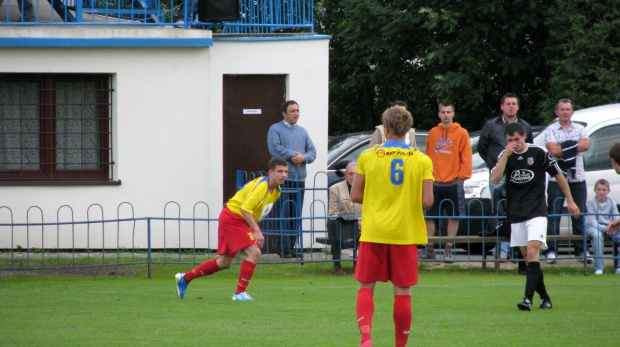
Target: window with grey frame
{"x":55,"y":127}
{"x":597,"y":157}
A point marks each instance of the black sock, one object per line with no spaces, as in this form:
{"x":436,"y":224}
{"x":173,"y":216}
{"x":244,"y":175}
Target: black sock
{"x":541,"y":289}
{"x":532,"y":276}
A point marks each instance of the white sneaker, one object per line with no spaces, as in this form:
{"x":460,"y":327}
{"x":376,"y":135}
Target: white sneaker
{"x":618,"y":271}
{"x":242,"y":296}
{"x":598,"y":272}
{"x":550,"y":257}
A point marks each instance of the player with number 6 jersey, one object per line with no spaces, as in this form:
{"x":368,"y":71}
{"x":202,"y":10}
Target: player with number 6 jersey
{"x":395,"y":183}
{"x":398,"y":171}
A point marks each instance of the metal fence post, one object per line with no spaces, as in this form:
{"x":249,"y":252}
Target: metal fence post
{"x":148,"y":235}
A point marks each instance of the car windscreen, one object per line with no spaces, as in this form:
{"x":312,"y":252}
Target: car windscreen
{"x":340,"y":144}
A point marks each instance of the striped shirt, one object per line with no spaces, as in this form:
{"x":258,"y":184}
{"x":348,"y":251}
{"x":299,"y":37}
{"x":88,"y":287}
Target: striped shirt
{"x":555,"y":133}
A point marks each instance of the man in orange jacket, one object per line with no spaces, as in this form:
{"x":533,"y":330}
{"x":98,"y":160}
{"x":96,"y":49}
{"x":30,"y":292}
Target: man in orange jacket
{"x":449,"y":148}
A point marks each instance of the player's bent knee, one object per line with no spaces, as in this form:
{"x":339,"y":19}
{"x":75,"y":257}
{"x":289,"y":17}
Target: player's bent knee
{"x":224,"y":263}
{"x":253,"y":253}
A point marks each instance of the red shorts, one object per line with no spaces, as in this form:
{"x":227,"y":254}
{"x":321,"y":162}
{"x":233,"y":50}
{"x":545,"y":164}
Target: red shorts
{"x":233,"y":233}
{"x":380,"y":262}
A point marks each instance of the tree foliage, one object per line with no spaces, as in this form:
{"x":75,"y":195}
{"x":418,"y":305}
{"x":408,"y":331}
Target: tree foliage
{"x":584,"y":35}
{"x":467,"y":52}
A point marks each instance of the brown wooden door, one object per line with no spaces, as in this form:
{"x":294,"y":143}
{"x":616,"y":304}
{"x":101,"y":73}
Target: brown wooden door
{"x":251,"y":105}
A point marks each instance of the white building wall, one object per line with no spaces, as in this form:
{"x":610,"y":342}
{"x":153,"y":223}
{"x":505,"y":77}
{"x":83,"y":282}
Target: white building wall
{"x":167,"y":123}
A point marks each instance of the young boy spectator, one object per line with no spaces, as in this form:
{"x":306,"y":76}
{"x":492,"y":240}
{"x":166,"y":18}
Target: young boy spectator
{"x":601,"y":205}
{"x":523,"y":166}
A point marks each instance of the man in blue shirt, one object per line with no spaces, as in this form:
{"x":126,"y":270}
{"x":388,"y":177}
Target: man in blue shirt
{"x":288,"y":140}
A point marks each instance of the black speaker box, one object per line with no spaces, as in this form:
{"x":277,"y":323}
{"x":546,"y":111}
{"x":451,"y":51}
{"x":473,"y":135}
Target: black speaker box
{"x":218,"y":10}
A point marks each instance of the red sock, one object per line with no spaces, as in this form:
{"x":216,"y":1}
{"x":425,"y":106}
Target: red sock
{"x":402,"y":319}
{"x":245,"y":275}
{"x":205,"y":269}
{"x":365,"y":309}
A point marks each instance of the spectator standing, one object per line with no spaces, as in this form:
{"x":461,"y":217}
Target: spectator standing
{"x":379,"y":135}
{"x":597,"y":224}
{"x":394,"y":181}
{"x":492,"y":142}
{"x":523,"y":167}
{"x":288,"y":140}
{"x":340,"y":204}
{"x":567,"y":141}
{"x":448,"y":147}
{"x":238,"y":230}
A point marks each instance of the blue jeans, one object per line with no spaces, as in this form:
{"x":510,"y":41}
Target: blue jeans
{"x":290,"y":206}
{"x":555,"y":202}
{"x":597,"y":243}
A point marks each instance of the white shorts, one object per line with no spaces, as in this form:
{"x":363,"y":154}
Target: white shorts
{"x":534,"y":229}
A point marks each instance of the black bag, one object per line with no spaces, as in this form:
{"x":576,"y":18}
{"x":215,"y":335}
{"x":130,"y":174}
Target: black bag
{"x":345,"y":228}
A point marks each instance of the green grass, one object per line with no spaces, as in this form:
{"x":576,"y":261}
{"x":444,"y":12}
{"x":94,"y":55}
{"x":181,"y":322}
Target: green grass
{"x":302,"y":306}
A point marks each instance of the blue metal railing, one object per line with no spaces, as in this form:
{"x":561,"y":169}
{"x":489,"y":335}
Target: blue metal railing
{"x":171,"y":239}
{"x":255,"y":16}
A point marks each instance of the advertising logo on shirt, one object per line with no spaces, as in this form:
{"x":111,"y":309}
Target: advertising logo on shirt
{"x":442,"y":144}
{"x":521,"y":176}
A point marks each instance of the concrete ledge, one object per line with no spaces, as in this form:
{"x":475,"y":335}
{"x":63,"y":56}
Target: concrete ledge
{"x":73,"y":36}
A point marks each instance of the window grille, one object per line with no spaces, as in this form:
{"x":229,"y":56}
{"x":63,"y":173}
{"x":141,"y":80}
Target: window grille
{"x":55,"y":127}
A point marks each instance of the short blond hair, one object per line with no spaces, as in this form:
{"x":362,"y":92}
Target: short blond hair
{"x":602,"y":182}
{"x":398,"y":119}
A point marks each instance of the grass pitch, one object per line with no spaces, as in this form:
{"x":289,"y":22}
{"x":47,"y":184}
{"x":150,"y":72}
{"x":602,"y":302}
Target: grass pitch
{"x":302,"y":305}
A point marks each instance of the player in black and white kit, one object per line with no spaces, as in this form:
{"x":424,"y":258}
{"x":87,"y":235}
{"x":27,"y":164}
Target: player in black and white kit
{"x":524,"y":166}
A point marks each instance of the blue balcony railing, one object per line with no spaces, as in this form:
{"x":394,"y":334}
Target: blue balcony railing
{"x":244,"y":16}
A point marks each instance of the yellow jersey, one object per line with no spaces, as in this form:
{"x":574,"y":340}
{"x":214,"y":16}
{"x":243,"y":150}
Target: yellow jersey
{"x":254,"y":198}
{"x":392,"y":211}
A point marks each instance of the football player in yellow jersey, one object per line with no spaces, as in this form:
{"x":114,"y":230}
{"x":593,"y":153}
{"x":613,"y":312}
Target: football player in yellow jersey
{"x":238,"y":229}
{"x":395,"y":183}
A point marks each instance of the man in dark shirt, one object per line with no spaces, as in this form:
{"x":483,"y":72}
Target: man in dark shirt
{"x":523,"y":166}
{"x":492,"y":142}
